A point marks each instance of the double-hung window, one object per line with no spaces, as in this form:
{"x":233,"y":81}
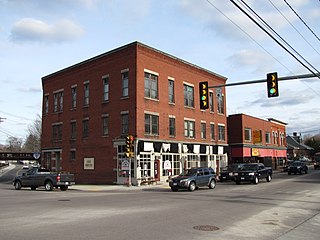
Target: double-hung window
{"x":172,"y":126}
{"x":125,"y":83}
{"x":247,"y":134}
{"x":221,"y":132}
{"x":86,"y":93}
{"x":151,"y":124}
{"x":203,"y":130}
{"x":73,"y":97}
{"x":188,"y":91}
{"x":171,"y":90}
{"x":105,"y":82}
{"x":151,"y":85}
{"x":189,"y":128}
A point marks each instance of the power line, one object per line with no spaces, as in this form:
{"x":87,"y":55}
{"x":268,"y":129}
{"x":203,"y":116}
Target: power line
{"x":301,"y":20}
{"x":270,"y":35}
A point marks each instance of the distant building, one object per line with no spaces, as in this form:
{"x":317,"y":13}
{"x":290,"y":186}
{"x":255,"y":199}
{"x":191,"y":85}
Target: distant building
{"x":91,"y":107}
{"x":296,"y":149}
{"x":256,"y":140}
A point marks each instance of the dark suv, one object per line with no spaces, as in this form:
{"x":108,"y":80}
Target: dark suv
{"x":297,"y":167}
{"x":194,"y":178}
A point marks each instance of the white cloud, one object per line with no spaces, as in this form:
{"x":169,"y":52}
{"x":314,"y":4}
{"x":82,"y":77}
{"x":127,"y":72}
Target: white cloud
{"x":29,"y":29}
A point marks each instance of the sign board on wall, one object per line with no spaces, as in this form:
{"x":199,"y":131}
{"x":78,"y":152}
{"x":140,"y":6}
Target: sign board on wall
{"x":257,"y":136}
{"x":88,"y":163}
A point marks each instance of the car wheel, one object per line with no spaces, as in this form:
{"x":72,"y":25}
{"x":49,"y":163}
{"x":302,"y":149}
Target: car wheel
{"x":17,"y":185}
{"x":256,"y":180}
{"x":300,"y":172}
{"x":269,"y":178}
{"x":306,"y":172}
{"x":192,"y":186}
{"x":48,"y":186}
{"x":173,"y":189}
{"x":212,"y":184}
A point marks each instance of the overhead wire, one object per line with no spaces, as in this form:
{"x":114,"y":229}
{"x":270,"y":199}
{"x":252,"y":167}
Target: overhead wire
{"x":302,"y":20}
{"x":276,"y":40}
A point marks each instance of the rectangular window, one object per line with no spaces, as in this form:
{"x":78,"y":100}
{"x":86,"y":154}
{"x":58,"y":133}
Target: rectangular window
{"x":46,"y":104}
{"x":171,"y":91}
{"x":220,"y":103}
{"x":105,"y":125}
{"x":188,"y":95}
{"x":247,"y":134}
{"x":105,"y":81}
{"x":125,"y":83}
{"x":73,"y":130}
{"x":203,"y":131}
{"x":172,"y":126}
{"x":73,"y":97}
{"x":221,"y":133}
{"x":211,"y":106}
{"x":73,"y":155}
{"x":189,"y":129}
{"x":85,"y":128}
{"x":86,"y":94}
{"x":268,"y":137}
{"x":58,"y":101}
{"x":57,"y":132}
{"x":150,"y":85}
{"x":125,"y":123}
{"x":212,"y":132}
{"x":151,"y":124}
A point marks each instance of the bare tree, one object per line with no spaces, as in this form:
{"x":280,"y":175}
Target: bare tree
{"x":33,"y":139}
{"x":14,"y":144}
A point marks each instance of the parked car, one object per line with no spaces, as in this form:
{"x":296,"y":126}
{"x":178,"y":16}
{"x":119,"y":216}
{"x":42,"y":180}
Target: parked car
{"x":194,"y":178}
{"x":286,"y":166}
{"x":227,"y":173}
{"x":298,"y":167}
{"x":37,"y":177}
{"x":253,"y":173}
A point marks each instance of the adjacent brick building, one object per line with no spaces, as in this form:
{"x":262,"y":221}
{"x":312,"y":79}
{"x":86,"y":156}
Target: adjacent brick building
{"x":256,"y":140}
{"x":89,"y":108}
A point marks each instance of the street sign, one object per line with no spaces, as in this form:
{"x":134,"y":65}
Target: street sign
{"x":125,"y":165}
{"x":36,"y":155}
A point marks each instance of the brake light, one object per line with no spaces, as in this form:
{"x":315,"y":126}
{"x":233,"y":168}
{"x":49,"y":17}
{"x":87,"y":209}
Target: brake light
{"x":58,"y":178}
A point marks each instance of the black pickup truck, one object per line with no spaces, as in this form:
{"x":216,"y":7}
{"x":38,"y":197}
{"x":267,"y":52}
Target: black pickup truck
{"x":253,"y":173}
{"x":37,"y":177}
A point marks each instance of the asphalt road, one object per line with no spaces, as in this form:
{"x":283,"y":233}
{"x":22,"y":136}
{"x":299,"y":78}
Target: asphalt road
{"x":274,"y":210}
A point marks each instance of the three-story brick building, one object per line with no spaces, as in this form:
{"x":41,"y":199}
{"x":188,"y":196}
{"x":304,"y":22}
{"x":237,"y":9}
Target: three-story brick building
{"x":89,"y":109}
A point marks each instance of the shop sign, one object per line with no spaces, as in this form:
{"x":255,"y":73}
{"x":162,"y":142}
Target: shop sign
{"x":88,"y":163}
{"x":255,"y":152}
{"x":125,"y":165}
{"x":167,"y":165}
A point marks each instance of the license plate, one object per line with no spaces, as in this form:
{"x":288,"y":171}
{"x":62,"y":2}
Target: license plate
{"x":175,"y":184}
{"x":242,"y":178}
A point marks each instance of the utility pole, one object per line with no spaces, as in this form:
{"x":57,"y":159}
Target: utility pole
{"x":1,"y":119}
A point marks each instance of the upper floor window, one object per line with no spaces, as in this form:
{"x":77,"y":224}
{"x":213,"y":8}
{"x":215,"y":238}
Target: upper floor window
{"x":212,"y":132}
{"x":247,"y":134}
{"x":58,"y":101}
{"x":220,"y":103}
{"x":125,"y":83}
{"x":86,"y":94}
{"x":203,"y":130}
{"x":211,"y":106}
{"x":172,"y":126}
{"x":105,"y":80}
{"x":171,"y":90}
{"x":189,"y":128}
{"x":73,"y":126}
{"x":151,"y":85}
{"x":124,"y":123}
{"x":46,"y":104}
{"x":57,"y":132}
{"x":188,"y":95}
{"x":105,"y":125}
{"x":221,"y":133}
{"x":151,"y":124}
{"x":85,"y":128}
{"x":74,"y":97}
{"x":268,"y":137}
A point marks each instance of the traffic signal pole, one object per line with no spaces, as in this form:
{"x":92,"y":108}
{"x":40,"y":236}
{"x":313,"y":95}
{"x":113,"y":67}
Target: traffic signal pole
{"x":294,"y":77}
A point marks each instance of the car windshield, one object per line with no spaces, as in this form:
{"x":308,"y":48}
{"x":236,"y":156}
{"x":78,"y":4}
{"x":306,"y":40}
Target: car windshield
{"x":296,"y":163}
{"x":190,"y":172}
{"x":249,"y":167}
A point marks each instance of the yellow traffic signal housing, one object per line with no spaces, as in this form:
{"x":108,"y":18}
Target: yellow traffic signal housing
{"x":272,"y":84}
{"x":129,"y":146}
{"x":204,"y":95}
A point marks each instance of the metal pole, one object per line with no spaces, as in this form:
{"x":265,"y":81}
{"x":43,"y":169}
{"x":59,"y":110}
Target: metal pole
{"x":294,"y":77}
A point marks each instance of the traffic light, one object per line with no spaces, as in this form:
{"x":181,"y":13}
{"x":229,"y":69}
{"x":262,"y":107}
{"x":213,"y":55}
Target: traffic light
{"x":129,"y":146}
{"x":204,"y":95}
{"x":272,"y":84}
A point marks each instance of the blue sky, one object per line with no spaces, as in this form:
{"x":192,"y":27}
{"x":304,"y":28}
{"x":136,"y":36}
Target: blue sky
{"x":41,"y":37}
